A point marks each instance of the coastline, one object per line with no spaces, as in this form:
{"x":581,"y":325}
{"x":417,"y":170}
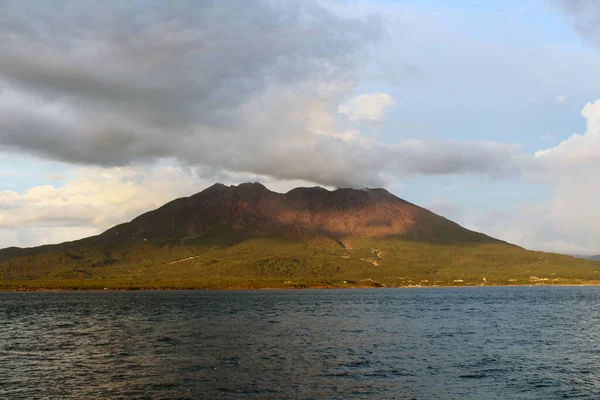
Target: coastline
{"x":286,"y":288}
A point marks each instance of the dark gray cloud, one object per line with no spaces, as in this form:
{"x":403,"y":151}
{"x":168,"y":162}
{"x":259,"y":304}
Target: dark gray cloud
{"x":236,"y":85}
{"x":585,"y":17}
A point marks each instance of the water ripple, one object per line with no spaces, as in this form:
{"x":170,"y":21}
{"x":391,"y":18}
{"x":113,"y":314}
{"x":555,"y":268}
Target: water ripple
{"x":451,"y":343}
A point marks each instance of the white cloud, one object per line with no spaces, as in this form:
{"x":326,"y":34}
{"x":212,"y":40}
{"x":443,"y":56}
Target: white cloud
{"x":580,"y":150}
{"x":367,"y":106}
{"x":96,"y":197}
{"x":570,"y":221}
{"x":561,"y":99}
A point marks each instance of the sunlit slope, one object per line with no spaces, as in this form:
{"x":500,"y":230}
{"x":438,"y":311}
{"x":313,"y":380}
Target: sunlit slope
{"x":277,"y":262}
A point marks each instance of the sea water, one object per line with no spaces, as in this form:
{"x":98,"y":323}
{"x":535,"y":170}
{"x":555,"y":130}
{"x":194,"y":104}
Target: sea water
{"x":434,"y":343}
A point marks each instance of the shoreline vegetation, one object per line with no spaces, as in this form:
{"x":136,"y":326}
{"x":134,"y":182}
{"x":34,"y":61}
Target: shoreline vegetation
{"x":285,"y":288}
{"x":273,"y":263}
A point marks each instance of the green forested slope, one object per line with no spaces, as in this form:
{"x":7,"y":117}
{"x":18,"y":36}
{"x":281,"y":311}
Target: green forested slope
{"x":276,"y":262}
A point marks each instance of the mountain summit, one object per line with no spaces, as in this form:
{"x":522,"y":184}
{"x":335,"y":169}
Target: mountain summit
{"x":341,"y":215}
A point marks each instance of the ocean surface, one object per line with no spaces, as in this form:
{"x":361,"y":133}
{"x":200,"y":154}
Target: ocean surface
{"x":446,"y":343}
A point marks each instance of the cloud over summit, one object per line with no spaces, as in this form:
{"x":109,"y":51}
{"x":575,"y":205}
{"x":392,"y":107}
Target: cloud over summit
{"x":210,"y":82}
{"x":248,"y":87}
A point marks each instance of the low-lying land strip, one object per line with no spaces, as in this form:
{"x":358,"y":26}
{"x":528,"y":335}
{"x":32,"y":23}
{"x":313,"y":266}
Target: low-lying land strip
{"x":277,"y":263}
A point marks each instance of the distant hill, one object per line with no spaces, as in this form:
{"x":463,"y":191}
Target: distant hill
{"x":593,"y":258}
{"x":249,"y":236}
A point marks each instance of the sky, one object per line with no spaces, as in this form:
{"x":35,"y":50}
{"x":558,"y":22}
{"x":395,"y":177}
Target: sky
{"x":487,"y":113}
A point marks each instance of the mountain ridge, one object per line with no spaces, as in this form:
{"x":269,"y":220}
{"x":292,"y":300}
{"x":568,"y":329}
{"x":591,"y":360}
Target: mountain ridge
{"x":339,"y":214}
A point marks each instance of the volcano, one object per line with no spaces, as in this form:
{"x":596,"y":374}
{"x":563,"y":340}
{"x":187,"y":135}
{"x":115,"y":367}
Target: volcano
{"x":341,"y":214}
{"x":248,"y":235}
